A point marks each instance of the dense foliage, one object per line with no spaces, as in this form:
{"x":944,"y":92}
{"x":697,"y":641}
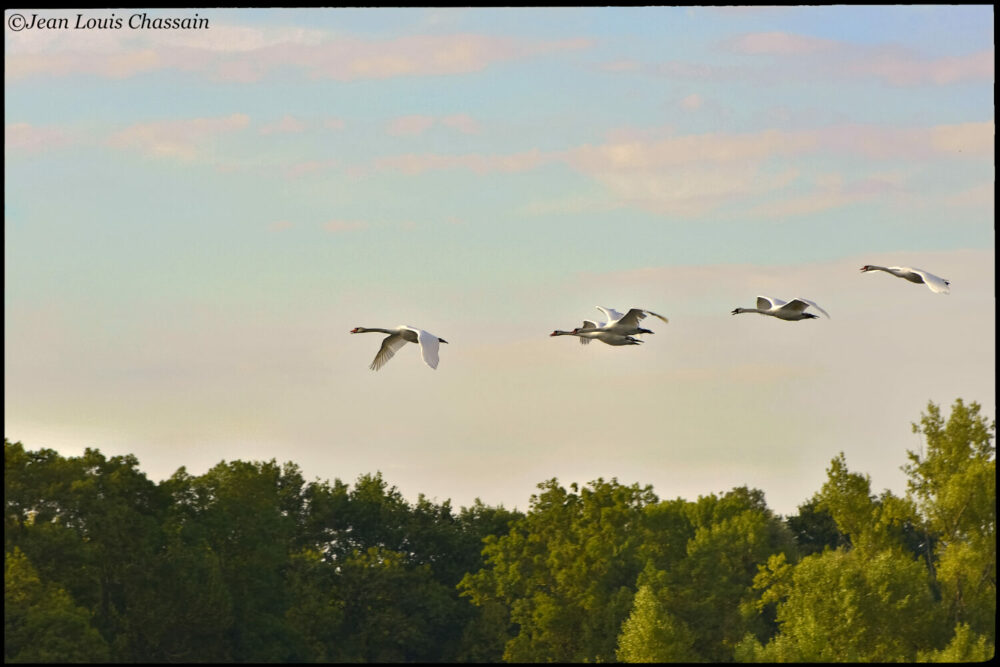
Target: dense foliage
{"x":251,"y":563}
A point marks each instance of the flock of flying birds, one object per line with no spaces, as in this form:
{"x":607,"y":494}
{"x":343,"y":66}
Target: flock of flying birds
{"x":621,"y":329}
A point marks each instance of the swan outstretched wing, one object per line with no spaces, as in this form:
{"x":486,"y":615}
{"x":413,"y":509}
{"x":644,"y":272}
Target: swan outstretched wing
{"x":649,"y":312}
{"x":390,"y":344}
{"x":798,"y":304}
{"x":936,"y":283}
{"x":587,"y":324}
{"x":632,"y":318}
{"x":429,"y":345}
{"x":610,"y":313}
{"x":767,"y":303}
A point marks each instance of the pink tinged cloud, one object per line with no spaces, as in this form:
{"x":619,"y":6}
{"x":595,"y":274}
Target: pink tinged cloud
{"x":412,"y":163}
{"x":334,"y":124}
{"x":288,"y":124}
{"x":905,"y":70}
{"x":692,"y":102}
{"x":621,"y":66}
{"x":118,"y":65}
{"x":688,"y":149}
{"x":779,"y":43}
{"x":27,"y":138}
{"x":280,"y":226}
{"x":349,"y":59}
{"x":409,"y":125}
{"x":309,"y":167}
{"x":177,"y":138}
{"x":968,"y":140}
{"x":692,"y":175}
{"x":461,"y":122}
{"x":245,"y":55}
{"x":337,"y":226}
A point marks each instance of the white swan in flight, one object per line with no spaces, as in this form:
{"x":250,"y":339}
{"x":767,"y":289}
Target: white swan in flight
{"x":791,"y":310}
{"x":625,"y":325}
{"x":936,"y":283}
{"x":589,"y":332}
{"x":400,"y":336}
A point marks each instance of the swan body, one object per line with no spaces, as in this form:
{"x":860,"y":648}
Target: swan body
{"x":400,"y":336}
{"x":625,"y":325}
{"x":588,"y":334}
{"x":790,"y":310}
{"x":935,"y":283}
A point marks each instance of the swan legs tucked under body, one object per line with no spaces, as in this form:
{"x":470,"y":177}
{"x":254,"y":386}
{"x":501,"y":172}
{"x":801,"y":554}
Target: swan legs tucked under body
{"x":604,"y":336}
{"x":618,"y":330}
{"x":791,"y":310}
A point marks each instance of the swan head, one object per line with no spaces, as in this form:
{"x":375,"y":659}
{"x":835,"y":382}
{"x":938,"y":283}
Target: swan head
{"x":866,"y":268}
{"x":557,"y":332}
{"x":736,"y":311}
{"x":358,"y":330}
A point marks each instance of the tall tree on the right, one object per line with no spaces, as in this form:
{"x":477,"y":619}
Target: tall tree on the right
{"x":953,"y":482}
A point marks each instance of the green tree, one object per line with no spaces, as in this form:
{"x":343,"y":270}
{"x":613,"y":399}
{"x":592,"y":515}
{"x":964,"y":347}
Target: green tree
{"x":245,"y":517}
{"x":869,"y":522}
{"x":965,"y":646}
{"x":814,"y":529}
{"x":565,"y":571}
{"x":652,"y":634}
{"x":391,"y":612}
{"x":90,"y":525}
{"x":954,"y":485}
{"x":41,"y":622}
{"x":848,"y":606}
{"x":704,"y":592}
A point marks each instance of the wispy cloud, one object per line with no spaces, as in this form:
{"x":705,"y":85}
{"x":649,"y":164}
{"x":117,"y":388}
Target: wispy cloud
{"x":413,"y":163}
{"x":779,"y":43}
{"x":308,"y":167}
{"x":416,"y":124}
{"x":982,"y":196}
{"x":693,"y":175}
{"x":27,"y":138}
{"x":879,"y":142}
{"x":692,"y":102}
{"x":409,"y":125}
{"x":183,"y":139}
{"x":287,"y":124}
{"x":337,"y":226}
{"x":789,"y":57}
{"x":903,"y":68}
{"x":462,"y":122}
{"x":246,"y":54}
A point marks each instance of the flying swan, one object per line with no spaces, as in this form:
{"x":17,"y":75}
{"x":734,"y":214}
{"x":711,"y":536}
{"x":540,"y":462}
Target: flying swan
{"x":625,"y":325}
{"x":589,"y":332}
{"x":935,"y":283}
{"x":791,"y":310}
{"x":400,"y":336}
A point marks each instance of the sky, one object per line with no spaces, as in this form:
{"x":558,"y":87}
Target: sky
{"x":196,"y":217}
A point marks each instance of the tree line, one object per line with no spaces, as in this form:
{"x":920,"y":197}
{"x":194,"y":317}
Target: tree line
{"x":249,"y":562}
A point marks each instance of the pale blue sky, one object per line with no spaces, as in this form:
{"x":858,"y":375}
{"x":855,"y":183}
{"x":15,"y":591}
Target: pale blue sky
{"x":195,"y":219}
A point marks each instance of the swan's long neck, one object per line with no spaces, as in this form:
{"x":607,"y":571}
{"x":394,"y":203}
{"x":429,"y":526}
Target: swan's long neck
{"x":367,"y":330}
{"x":874,"y":267}
{"x":739,"y":311}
